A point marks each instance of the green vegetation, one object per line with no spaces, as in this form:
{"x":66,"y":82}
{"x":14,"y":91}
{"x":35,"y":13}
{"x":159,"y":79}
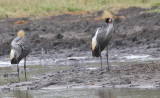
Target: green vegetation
{"x":21,"y":8}
{"x":156,"y":10}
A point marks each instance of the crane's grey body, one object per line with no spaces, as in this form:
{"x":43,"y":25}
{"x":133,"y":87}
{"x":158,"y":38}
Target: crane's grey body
{"x":104,"y":35}
{"x":21,"y":47}
{"x":101,"y":39}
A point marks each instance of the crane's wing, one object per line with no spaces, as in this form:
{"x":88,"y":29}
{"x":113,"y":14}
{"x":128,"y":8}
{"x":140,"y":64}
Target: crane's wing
{"x":25,"y":46}
{"x":103,"y":37}
{"x":16,"y":46}
{"x":21,"y":47}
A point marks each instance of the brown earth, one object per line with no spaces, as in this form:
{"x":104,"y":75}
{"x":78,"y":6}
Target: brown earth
{"x":134,"y":27}
{"x":136,"y":31}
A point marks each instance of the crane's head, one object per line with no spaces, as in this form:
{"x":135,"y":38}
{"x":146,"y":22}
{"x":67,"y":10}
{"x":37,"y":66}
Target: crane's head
{"x":108,"y":20}
{"x":21,"y":33}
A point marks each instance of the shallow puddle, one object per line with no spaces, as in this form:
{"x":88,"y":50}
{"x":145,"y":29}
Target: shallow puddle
{"x":85,"y":93}
{"x":9,"y":74}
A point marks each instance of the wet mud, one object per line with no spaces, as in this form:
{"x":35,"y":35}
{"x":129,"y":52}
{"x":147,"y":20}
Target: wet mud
{"x":63,"y":36}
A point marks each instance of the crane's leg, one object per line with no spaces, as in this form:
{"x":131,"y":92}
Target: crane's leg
{"x":18,"y":72}
{"x":107,"y":59}
{"x":100,"y":57}
{"x":25,"y":69}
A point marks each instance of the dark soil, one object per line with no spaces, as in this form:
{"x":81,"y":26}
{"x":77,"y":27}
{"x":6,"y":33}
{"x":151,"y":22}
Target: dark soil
{"x":76,"y":31}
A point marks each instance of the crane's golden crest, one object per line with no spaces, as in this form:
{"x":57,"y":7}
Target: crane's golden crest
{"x":21,"y":33}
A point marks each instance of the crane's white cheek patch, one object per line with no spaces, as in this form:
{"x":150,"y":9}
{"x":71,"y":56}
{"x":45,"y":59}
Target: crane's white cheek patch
{"x":12,"y":54}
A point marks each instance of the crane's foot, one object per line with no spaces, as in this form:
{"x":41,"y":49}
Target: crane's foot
{"x":107,"y":69}
{"x":18,"y":79}
{"x":25,"y":78}
{"x":101,"y":69}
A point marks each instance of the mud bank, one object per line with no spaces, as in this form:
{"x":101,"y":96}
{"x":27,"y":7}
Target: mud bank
{"x":146,"y":75}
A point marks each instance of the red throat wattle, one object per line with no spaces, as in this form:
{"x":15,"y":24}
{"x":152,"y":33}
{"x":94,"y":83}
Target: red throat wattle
{"x":110,"y":20}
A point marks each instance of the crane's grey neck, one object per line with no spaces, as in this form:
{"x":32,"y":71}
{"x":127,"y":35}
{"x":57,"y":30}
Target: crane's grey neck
{"x":109,"y":29}
{"x":109,"y":26}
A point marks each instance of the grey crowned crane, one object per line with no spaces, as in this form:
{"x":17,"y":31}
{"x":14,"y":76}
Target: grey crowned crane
{"x":101,"y":40}
{"x":20,"y":48}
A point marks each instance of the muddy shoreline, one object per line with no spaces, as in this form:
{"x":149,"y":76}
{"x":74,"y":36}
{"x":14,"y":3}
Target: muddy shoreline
{"x":64,"y":36}
{"x":143,"y":75}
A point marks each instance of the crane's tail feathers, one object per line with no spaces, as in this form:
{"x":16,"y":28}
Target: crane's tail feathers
{"x":12,"y":57}
{"x":14,"y":61}
{"x":95,"y":52}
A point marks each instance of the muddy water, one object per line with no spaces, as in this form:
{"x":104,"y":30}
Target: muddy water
{"x":35,"y":69}
{"x":9,"y":74}
{"x":38,"y":68}
{"x":85,"y":93}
